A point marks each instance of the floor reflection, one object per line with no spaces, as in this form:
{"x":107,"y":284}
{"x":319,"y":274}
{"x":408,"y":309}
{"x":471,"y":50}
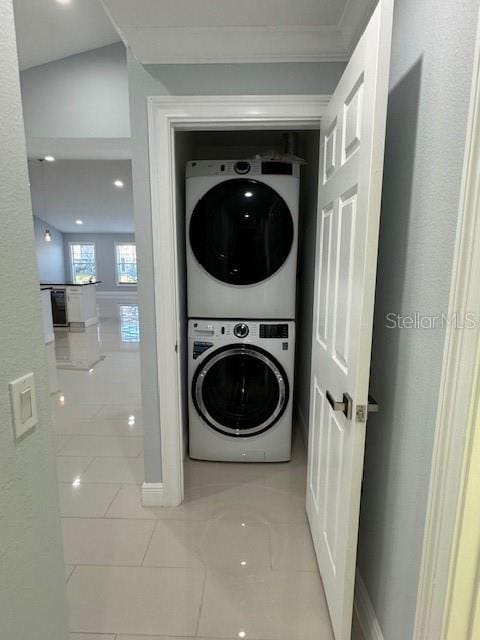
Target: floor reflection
{"x":129,"y":325}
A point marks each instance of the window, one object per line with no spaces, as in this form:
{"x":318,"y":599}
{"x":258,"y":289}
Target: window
{"x":126,"y":261}
{"x":84,"y":266}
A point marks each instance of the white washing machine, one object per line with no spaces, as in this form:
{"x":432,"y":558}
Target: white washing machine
{"x":240,"y":376}
{"x":241,"y":234}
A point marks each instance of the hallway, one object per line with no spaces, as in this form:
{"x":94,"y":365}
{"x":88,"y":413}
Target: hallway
{"x":234,"y":561}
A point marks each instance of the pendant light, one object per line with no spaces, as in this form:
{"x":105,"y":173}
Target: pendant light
{"x":47,"y":236}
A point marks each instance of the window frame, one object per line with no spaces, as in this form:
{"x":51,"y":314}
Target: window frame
{"x":72,"y":270}
{"x":117,"y":280}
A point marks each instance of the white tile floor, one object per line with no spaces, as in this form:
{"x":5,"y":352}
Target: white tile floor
{"x":235,"y":560}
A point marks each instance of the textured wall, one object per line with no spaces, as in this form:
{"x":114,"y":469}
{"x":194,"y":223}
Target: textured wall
{"x":151,"y":80}
{"x":431,"y":70}
{"x":105,"y":257}
{"x":50,"y":255}
{"x":32,"y":588}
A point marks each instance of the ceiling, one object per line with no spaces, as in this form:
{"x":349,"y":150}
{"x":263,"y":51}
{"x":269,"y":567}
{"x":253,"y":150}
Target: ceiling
{"x":190,"y":31}
{"x":83,"y":189}
{"x":49,"y":30}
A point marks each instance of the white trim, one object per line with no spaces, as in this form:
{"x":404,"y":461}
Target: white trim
{"x":366,"y":615}
{"x":117,"y":294}
{"x":165,"y":115}
{"x":153,"y":494}
{"x":456,"y":389}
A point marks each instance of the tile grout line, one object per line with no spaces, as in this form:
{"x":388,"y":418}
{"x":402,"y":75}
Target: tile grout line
{"x":154,"y":528}
{"x":202,"y":598}
{"x":113,"y":500}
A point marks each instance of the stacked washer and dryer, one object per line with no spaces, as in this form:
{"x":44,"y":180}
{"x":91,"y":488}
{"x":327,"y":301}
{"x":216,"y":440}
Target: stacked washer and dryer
{"x":242,"y":237}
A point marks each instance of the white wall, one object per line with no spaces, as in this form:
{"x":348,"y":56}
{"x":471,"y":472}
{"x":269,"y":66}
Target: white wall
{"x":50,"y":255}
{"x":430,"y":79}
{"x":83,"y":96}
{"x":105,"y":257}
{"x":297,"y":78}
{"x":32,"y":588}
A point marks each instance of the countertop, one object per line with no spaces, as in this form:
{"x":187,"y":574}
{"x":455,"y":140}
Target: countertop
{"x":50,"y":285}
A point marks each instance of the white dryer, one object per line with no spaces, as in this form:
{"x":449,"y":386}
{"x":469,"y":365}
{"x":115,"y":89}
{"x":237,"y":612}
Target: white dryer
{"x":241,"y":235}
{"x":240,"y":375}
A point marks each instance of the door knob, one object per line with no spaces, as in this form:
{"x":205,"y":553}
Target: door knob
{"x":344,"y":405}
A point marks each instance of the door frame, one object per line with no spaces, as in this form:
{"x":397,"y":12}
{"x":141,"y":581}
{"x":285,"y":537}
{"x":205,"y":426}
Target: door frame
{"x":166,"y":115}
{"x":459,"y":392}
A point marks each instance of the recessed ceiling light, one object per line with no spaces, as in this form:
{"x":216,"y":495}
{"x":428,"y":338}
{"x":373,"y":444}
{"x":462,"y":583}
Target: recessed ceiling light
{"x":118,"y":183}
{"x":49,"y":158}
{"x":78,"y":221}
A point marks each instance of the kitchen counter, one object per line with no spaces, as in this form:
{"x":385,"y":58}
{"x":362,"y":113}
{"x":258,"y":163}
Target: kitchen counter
{"x":73,"y":305}
{"x":50,"y":285}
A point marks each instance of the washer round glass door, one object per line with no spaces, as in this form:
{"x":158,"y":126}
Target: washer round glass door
{"x":241,"y":231}
{"x":240,"y":390}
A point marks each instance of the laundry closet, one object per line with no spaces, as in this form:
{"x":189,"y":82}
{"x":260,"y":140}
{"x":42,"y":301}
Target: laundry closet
{"x":245,"y":204}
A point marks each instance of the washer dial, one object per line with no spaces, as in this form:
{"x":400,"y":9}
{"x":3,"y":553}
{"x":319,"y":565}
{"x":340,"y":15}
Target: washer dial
{"x":241,"y":330}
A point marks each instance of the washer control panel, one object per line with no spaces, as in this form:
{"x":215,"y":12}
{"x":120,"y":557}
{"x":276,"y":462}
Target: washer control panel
{"x":209,"y":333}
{"x":274,"y":331}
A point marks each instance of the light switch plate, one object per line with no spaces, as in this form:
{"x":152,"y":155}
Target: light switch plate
{"x":24,"y":404}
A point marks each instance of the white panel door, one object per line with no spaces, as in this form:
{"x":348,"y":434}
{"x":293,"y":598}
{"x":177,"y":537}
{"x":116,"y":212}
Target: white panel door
{"x":351,"y":164}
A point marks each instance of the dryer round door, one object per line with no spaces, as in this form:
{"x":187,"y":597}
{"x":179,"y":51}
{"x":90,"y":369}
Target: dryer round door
{"x":240,"y":391}
{"x":241,"y":231}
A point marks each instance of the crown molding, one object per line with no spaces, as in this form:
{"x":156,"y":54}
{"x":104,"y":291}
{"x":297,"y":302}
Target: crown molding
{"x":157,"y":43}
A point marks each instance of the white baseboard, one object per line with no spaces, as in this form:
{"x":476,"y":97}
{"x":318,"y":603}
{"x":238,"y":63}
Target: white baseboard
{"x":365,"y":612}
{"x":153,"y":494}
{"x":117,"y":294}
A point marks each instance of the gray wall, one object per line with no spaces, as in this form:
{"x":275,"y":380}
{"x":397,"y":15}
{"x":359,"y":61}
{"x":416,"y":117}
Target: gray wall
{"x":430,"y":79}
{"x":50,"y":255}
{"x":32,"y":588}
{"x":105,"y":257}
{"x":301,"y":78}
{"x":83,"y":96}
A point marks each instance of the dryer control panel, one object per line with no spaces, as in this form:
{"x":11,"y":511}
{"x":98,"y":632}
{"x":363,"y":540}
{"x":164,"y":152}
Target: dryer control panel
{"x":242,"y":168}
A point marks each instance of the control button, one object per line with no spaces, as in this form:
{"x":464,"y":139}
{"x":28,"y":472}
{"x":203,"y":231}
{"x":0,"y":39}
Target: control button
{"x":241,"y":167}
{"x":241,"y":330}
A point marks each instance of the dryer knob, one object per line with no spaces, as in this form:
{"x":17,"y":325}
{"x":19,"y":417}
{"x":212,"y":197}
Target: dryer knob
{"x":241,"y":330}
{"x":241,"y":167}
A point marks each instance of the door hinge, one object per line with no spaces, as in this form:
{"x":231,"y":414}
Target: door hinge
{"x":176,"y":347}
